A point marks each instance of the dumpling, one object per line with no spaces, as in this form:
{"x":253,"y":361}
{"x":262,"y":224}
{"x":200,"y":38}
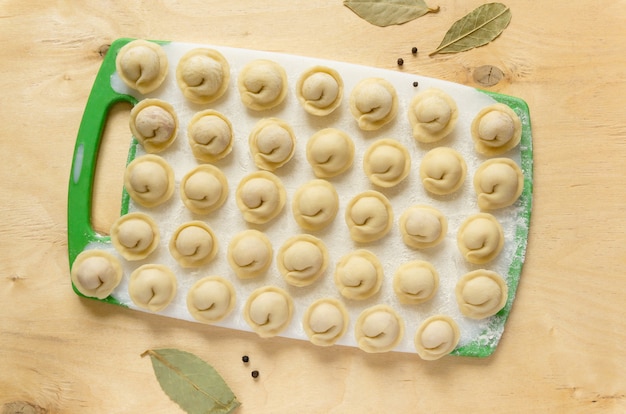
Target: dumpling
{"x":423,"y":226}
{"x":481,"y":293}
{"x":210,"y":136}
{"x":142,"y":65}
{"x":154,"y":124}
{"x":373,"y":103}
{"x":193,"y":244}
{"x":480,"y":238}
{"x":315,"y":204}
{"x":330,"y":152}
{"x":262,"y":84}
{"x":135,"y":235}
{"x":149,"y":180}
{"x":250,"y":254}
{"x":498,"y":183}
{"x":443,"y":171}
{"x":359,"y":275}
{"x":325,"y":321}
{"x":96,"y":273}
{"x":203,"y":75}
{"x":211,"y":299}
{"x":152,"y":287}
{"x":302,"y":259}
{"x":436,"y":337}
{"x":378,"y":329}
{"x":268,"y":311}
{"x":433,"y":115}
{"x":496,"y":129}
{"x":272,"y":143}
{"x":204,"y":189}
{"x":386,"y":162}
{"x":261,"y":197}
{"x":415,"y":282}
{"x":369,"y":216}
{"x":320,"y":90}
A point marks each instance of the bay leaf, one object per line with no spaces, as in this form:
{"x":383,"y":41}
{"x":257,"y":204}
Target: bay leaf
{"x":192,"y":383}
{"x":389,"y":12}
{"x":475,"y":29}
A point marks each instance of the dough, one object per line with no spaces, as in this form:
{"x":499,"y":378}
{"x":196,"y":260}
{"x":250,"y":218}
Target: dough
{"x":250,"y":254}
{"x":203,"y":75}
{"x":315,"y":204}
{"x":272,"y":143}
{"x":378,"y":329}
{"x":496,"y":129}
{"x":373,"y":103}
{"x":152,"y":287}
{"x":268,"y":311}
{"x":210,"y":136}
{"x":142,"y":65}
{"x":154,"y":124}
{"x":436,"y":337}
{"x":369,"y":216}
{"x":433,"y":115}
{"x":443,"y":171}
{"x":481,"y":293}
{"x":211,"y":299}
{"x":386,"y":162}
{"x":149,"y":180}
{"x":320,"y":90}
{"x":325,"y":321}
{"x":498,"y":183}
{"x":96,"y":273}
{"x":330,"y":152}
{"x":302,"y":259}
{"x":193,"y":244}
{"x":204,"y":189}
{"x":262,"y":84}
{"x":423,"y":226}
{"x":135,"y":235}
{"x":415,"y":282}
{"x":480,"y":238}
{"x":359,"y":275}
{"x":260,"y":196}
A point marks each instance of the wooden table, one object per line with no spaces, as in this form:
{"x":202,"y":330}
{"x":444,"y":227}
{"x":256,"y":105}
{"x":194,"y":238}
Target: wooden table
{"x":563,"y":350}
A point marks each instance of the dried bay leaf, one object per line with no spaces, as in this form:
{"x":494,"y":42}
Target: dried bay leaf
{"x":192,"y":383}
{"x":477,"y":28}
{"x":389,"y":12}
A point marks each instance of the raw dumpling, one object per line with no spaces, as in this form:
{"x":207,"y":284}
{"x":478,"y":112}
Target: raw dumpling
{"x":135,"y":236}
{"x":320,"y":90}
{"x":315,"y":204}
{"x":436,"y":337}
{"x":330,"y":152}
{"x":325,"y":321}
{"x":369,"y":216}
{"x":378,"y":329}
{"x":210,"y":136}
{"x":211,"y":299}
{"x":154,"y":124}
{"x":498,"y":183}
{"x":443,"y":171}
{"x":386,"y":162}
{"x":415,"y":282}
{"x":250,"y":254}
{"x":193,"y":244}
{"x":480,"y":238}
{"x":268,"y":311}
{"x":272,"y":143}
{"x":496,"y":129}
{"x":481,"y":293}
{"x":142,"y":65}
{"x":96,"y":273}
{"x":373,"y":103}
{"x":302,"y":259}
{"x":203,"y":75}
{"x":359,"y":275}
{"x":260,"y":196}
{"x":152,"y":286}
{"x":433,"y":115}
{"x":204,"y":189}
{"x":262,"y":84}
{"x":423,"y":226}
{"x":149,"y":180}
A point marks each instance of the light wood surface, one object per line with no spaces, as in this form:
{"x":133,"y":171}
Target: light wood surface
{"x":563,"y":350}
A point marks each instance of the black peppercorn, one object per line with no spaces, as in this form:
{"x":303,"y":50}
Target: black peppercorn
{"x":414,"y":50}
{"x":255,"y":374}
{"x":400,"y":61}
{"x":245,"y":359}
{"x":415,"y":84}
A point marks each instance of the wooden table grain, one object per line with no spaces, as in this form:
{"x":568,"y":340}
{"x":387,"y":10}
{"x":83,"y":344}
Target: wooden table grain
{"x":563,"y":350}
